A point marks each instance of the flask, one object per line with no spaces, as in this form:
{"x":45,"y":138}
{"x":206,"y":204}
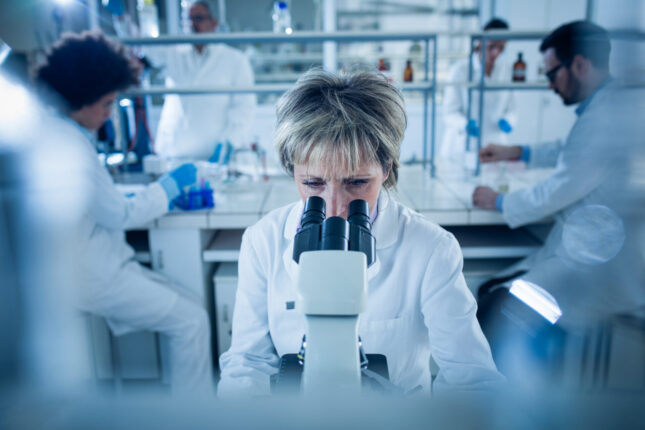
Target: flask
{"x":281,"y":18}
{"x":408,"y":73}
{"x":519,"y":69}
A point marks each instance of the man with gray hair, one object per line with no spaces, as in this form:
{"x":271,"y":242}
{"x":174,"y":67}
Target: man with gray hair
{"x":191,"y":125}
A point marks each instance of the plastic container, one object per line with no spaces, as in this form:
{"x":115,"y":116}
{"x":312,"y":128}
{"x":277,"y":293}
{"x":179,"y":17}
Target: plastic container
{"x":196,"y":198}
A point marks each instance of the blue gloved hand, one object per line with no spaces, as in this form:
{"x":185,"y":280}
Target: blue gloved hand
{"x":504,"y":125}
{"x":176,"y":180}
{"x":472,"y":129}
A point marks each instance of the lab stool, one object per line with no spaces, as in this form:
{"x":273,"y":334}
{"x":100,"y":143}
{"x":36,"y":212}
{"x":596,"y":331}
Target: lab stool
{"x":123,"y":360}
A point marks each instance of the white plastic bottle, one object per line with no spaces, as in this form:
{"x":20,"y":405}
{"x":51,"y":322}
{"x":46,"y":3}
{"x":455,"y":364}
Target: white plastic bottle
{"x":281,"y":18}
{"x":148,"y":18}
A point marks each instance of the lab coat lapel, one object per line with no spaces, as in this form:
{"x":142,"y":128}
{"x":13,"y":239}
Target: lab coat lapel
{"x":385,"y":228}
{"x":290,"y":226}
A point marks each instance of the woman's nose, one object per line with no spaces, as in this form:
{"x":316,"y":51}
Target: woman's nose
{"x":336,"y":205}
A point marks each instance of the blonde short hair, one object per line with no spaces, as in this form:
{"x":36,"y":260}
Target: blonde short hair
{"x":342,"y":120}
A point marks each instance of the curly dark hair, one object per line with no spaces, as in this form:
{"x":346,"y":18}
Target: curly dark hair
{"x":82,"y":68}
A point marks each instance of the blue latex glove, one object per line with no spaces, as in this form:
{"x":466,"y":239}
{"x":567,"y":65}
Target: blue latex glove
{"x":504,"y":125}
{"x":472,"y":129}
{"x":174,"y":182}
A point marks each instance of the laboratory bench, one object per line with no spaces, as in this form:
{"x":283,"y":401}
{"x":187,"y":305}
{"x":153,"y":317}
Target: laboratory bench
{"x":182,"y":244}
{"x":199,"y":249}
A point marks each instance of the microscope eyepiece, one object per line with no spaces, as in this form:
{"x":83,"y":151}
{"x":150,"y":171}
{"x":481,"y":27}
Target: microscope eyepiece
{"x":308,"y":238}
{"x":360,"y":230}
{"x":335,"y":234}
{"x":314,"y":211}
{"x":358,"y":213}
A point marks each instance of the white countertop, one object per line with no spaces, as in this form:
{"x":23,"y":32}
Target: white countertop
{"x":445,"y":200}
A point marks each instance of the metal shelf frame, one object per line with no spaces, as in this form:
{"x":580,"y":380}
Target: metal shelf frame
{"x":428,"y":86}
{"x":632,"y":35}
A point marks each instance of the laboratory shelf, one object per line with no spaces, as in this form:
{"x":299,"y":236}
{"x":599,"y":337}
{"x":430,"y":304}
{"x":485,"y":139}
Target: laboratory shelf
{"x":494,"y":241}
{"x":224,"y":247}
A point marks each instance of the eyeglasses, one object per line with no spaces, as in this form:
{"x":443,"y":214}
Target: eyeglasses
{"x":550,"y":75}
{"x":199,"y":18}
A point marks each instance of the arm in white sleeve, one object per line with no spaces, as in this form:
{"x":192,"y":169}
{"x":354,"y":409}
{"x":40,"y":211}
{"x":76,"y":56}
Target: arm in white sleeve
{"x":581,"y":168}
{"x":252,"y":359}
{"x":545,"y":154}
{"x":509,"y":112}
{"x":110,"y":208}
{"x":457,"y":343}
{"x":454,"y":112}
{"x":241,"y":110}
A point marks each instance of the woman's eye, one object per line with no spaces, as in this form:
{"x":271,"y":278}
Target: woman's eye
{"x":313,"y":184}
{"x":357,"y":182}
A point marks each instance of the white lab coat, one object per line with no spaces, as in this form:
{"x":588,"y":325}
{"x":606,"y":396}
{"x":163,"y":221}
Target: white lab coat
{"x":131,"y":297}
{"x":190,"y":126}
{"x":497,"y":104}
{"x":418,"y":305}
{"x":592,"y":167}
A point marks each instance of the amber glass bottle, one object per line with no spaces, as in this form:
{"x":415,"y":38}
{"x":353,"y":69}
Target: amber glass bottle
{"x":519,"y":69}
{"x":408,"y":73}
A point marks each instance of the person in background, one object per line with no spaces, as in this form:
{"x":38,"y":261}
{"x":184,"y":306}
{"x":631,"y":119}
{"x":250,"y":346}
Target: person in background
{"x":586,"y":194}
{"x":499,"y":111}
{"x":81,"y":77}
{"x":191,"y":126}
{"x":339,"y":137}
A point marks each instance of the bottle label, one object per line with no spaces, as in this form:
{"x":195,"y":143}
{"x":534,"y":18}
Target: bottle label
{"x":519,"y":74}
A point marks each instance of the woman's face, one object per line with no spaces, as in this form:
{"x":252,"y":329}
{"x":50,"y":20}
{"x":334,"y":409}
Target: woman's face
{"x":339,"y":190}
{"x":93,"y":116}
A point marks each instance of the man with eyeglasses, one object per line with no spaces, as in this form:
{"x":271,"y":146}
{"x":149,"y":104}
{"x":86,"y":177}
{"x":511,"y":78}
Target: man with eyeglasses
{"x":591,"y":260}
{"x":191,"y":125}
{"x":576,"y":57}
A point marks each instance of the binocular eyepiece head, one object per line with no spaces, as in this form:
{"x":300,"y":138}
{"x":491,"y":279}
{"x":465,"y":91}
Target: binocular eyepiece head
{"x":318,"y":233}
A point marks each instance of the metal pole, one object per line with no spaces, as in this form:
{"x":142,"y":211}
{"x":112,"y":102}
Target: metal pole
{"x":173,"y":17}
{"x":93,"y":13}
{"x":470,"y":90}
{"x":434,"y":107}
{"x":589,"y":12}
{"x":223,"y":22}
{"x":480,"y":121}
{"x":425,"y":104}
{"x":330,"y":62}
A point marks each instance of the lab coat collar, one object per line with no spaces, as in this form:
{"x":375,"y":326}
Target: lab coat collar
{"x":385,"y":230}
{"x":586,"y":102}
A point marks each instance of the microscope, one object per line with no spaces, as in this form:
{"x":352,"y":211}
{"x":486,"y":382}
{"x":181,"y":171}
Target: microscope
{"x":333,"y":255}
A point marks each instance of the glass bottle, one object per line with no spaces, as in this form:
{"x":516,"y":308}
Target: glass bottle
{"x":281,"y":18}
{"x":408,"y":73}
{"x":519,"y":69}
